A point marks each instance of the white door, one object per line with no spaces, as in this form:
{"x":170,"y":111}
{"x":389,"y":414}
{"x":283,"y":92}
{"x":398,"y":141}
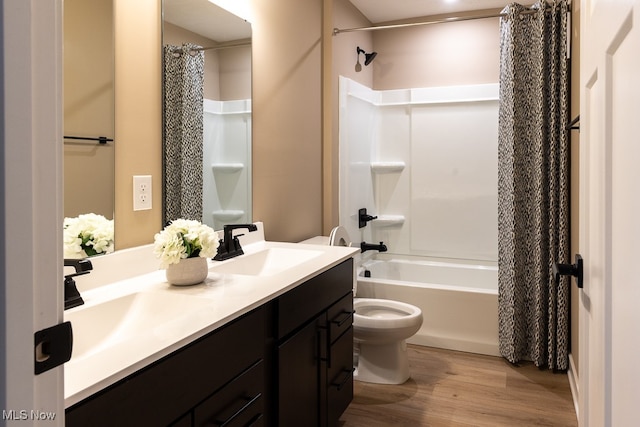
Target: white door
{"x":31,"y":212}
{"x":609,"y":377}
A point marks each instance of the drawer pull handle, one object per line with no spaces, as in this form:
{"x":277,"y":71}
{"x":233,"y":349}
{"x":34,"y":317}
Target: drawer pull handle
{"x":250,"y":402}
{"x":347,"y":376}
{"x":346,"y":316}
{"x":255,"y":420}
{"x":322,"y":349}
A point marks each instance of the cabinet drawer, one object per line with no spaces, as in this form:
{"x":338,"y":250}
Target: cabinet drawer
{"x":340,"y":317}
{"x":309,"y":299}
{"x":340,"y":377}
{"x":240,"y":403}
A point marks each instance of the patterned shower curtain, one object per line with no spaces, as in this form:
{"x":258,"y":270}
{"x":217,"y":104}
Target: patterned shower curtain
{"x":533,"y":184}
{"x":183,"y":132}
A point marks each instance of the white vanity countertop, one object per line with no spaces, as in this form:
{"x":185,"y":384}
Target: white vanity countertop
{"x":220,"y":299}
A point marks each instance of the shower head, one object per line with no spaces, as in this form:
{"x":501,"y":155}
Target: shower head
{"x":368,"y":57}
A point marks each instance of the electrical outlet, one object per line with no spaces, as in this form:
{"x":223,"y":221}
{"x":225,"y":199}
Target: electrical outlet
{"x":142,"y":192}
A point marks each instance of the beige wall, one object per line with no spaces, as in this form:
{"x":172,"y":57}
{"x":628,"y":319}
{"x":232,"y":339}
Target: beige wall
{"x":235,"y":73}
{"x":457,"y":53}
{"x":88,"y":107}
{"x":287,"y":130}
{"x":138,"y":118}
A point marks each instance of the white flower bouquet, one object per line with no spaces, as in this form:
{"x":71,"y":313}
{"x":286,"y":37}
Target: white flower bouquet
{"x":87,"y":235}
{"x":184,"y":238}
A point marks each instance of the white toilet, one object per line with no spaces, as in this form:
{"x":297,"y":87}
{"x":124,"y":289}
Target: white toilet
{"x":380,"y":330}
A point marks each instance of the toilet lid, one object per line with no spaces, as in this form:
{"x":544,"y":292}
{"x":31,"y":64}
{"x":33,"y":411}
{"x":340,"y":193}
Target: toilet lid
{"x":339,"y":237}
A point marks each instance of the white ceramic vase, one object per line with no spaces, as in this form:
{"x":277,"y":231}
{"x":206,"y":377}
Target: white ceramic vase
{"x":189,"y":271}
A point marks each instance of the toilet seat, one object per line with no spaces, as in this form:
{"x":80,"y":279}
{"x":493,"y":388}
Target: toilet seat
{"x":339,"y":237}
{"x":384,"y":313}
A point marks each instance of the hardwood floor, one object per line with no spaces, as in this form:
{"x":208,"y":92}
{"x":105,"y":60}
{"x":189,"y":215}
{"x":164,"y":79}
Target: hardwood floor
{"x":449,"y":388}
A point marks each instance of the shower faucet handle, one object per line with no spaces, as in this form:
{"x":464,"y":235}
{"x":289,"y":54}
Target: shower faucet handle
{"x":363,"y":217}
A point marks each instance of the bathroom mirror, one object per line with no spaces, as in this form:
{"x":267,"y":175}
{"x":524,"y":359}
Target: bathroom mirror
{"x":88,"y":57}
{"x":192,"y":29}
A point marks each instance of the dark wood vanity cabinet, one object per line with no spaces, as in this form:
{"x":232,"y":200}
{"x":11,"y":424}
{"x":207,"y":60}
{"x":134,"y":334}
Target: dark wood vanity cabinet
{"x":286,"y":363}
{"x":315,"y":349}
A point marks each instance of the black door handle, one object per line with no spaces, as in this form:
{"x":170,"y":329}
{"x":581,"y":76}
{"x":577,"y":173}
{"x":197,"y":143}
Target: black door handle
{"x":575,"y":270}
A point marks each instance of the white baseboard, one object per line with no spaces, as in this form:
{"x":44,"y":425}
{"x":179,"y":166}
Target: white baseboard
{"x":572,"y":374}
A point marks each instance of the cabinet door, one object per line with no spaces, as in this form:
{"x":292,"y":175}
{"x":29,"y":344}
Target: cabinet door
{"x":313,"y":297}
{"x":340,"y":377}
{"x":298,"y":377}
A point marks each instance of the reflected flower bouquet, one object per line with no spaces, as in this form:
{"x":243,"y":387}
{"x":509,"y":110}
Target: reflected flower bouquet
{"x":87,"y":235}
{"x":184,"y":238}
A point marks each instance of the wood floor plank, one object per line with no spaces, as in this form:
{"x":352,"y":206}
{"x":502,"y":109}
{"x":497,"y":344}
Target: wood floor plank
{"x":451,"y":389}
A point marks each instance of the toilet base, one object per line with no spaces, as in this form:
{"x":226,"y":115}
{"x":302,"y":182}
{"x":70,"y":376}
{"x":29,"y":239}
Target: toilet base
{"x":382,"y":363}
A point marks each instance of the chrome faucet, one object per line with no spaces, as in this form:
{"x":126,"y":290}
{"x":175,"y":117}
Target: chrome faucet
{"x":364,"y":246}
{"x":72,"y":297}
{"x":230,"y":246}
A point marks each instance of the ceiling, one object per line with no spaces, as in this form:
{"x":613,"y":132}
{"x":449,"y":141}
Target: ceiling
{"x":207,"y":19}
{"x":378,"y":11}
{"x":198,"y":15}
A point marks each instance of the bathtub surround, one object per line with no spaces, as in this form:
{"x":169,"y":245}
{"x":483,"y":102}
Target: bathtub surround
{"x":183,"y":136}
{"x":534,"y":185}
{"x":424,"y":162}
{"x":227,"y":163}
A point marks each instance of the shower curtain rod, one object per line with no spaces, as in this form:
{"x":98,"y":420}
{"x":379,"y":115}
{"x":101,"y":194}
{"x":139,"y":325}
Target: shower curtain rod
{"x":223,"y":46}
{"x":227,"y":46}
{"x":337,"y":31}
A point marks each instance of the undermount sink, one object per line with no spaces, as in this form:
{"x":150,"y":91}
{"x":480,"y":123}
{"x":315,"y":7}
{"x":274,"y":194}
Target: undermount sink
{"x":129,"y":317}
{"x":266,"y":262}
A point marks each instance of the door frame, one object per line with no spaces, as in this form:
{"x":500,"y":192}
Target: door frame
{"x":31,"y":215}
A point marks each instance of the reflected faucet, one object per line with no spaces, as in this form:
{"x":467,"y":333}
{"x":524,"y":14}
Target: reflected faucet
{"x":230,"y":246}
{"x":72,"y":297}
{"x":364,"y":246}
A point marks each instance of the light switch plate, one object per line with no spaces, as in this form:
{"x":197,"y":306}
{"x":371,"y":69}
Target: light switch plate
{"x":142,"y":192}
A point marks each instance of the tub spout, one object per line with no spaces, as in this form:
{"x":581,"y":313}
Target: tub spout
{"x":364,"y":246}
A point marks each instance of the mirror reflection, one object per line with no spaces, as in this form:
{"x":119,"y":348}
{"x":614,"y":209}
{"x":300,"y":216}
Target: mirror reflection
{"x":207,"y":114}
{"x":88,"y":127}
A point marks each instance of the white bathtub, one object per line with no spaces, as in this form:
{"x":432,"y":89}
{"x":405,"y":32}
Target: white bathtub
{"x":459,"y":301}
